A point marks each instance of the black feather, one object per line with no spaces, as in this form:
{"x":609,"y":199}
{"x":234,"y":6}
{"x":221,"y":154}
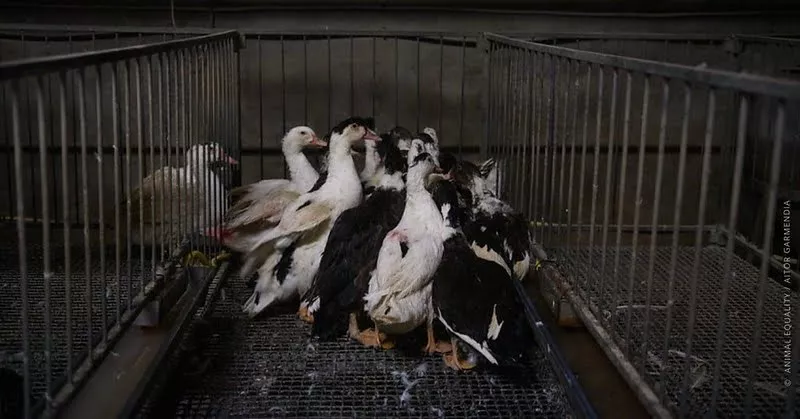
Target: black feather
{"x":399,"y":133}
{"x":368,"y":122}
{"x":467,"y":290}
{"x":323,"y":176}
{"x":350,"y":256}
{"x":393,"y":160}
{"x":421,"y":157}
{"x":403,"y":249}
{"x":427,"y":139}
{"x":281,"y":270}
{"x":305,"y":204}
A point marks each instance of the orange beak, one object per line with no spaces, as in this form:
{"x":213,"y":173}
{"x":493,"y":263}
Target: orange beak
{"x":316,"y":142}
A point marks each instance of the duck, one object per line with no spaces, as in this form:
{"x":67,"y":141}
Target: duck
{"x":398,"y":298}
{"x":495,"y":230}
{"x":475,"y":299}
{"x":287,"y":256}
{"x":402,"y":137}
{"x":260,"y":205}
{"x":187,"y":200}
{"x":352,"y":249}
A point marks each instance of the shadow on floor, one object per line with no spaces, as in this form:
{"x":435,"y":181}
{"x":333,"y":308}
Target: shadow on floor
{"x":605,"y":388}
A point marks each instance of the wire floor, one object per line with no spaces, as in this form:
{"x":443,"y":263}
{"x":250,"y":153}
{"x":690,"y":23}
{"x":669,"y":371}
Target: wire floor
{"x":107,"y":297}
{"x":234,"y":366}
{"x":662,"y":353}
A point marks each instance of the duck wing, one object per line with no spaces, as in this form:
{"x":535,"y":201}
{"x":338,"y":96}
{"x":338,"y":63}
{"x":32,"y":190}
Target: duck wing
{"x":303,"y":215}
{"x":350,"y":256}
{"x":476,"y":301}
{"x":255,"y":191}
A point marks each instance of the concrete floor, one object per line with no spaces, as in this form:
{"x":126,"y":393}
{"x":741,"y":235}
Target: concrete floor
{"x":605,"y":388}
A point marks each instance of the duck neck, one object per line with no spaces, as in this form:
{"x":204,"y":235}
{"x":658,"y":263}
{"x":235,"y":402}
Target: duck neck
{"x":341,"y":170}
{"x":300,"y":169}
{"x":371,"y":161}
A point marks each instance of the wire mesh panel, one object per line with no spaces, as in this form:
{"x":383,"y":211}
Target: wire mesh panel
{"x":92,"y":218}
{"x":634,"y":175}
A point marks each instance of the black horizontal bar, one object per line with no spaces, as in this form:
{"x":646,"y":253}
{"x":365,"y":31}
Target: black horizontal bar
{"x":784,"y":89}
{"x":246,"y":151}
{"x":85,"y":32}
{"x":43,"y":65}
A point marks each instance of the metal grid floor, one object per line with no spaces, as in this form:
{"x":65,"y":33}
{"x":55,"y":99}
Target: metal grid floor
{"x":107,"y":298}
{"x":661,"y":354}
{"x":232,"y":366}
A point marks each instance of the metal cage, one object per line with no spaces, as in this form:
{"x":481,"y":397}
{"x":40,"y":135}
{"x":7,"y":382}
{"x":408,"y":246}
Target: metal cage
{"x":690,"y":314}
{"x":80,"y":133}
{"x":635,"y":176}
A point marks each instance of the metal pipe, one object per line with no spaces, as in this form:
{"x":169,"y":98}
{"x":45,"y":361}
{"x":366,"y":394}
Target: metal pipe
{"x":23,"y":254}
{"x":608,"y":188}
{"x":62,"y":101}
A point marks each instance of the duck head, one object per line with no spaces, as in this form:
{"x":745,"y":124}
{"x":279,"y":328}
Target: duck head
{"x":420,"y":168}
{"x":402,"y":137}
{"x":430,"y":146}
{"x":352,"y":130}
{"x":206,"y":154}
{"x":299,"y":138}
{"x":390,"y":156}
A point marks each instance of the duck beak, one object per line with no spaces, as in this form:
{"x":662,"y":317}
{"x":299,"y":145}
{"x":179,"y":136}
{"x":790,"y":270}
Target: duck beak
{"x":438,"y":170}
{"x":316,"y":142}
{"x":370,"y":135}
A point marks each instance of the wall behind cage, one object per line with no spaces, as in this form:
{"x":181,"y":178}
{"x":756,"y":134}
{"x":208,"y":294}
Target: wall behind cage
{"x":319,"y":80}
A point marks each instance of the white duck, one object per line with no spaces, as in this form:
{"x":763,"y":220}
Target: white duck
{"x":260,"y":205}
{"x":299,"y":239}
{"x":399,"y":294}
{"x":173,"y":202}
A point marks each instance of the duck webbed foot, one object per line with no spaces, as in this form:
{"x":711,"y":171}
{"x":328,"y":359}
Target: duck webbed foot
{"x":433,"y":346}
{"x":452,"y":360}
{"x":371,"y":338}
{"x":304,"y":314}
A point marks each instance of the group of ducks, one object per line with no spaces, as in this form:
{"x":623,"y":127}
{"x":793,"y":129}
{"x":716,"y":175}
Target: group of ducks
{"x":416,"y":237}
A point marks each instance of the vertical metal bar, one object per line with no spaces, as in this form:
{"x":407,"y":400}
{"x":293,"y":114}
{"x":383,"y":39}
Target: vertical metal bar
{"x":21,"y":242}
{"x":166,"y":192}
{"x":720,"y":339}
{"x":621,"y":188}
{"x":374,"y":64}
{"x":441,"y":87}
{"x":584,"y":144}
{"x":656,"y":207}
{"x":62,"y":101}
{"x":596,"y":168}
{"x":330,"y":84}
{"x":162,"y":129}
{"x":676,"y":211}
{"x":29,"y":119}
{"x":486,"y":100}
{"x":550,"y":150}
{"x":115,"y":109}
{"x":567,"y":89}
{"x":525,"y":123}
{"x":305,"y":77}
{"x":571,"y":180}
{"x":506,"y":87}
{"x":637,"y":209}
{"x":154,"y":227}
{"x":612,"y":120}
{"x":283,"y":96}
{"x":461,"y":98}
{"x":537,"y":113}
{"x":128,"y":186}
{"x":531,"y":131}
{"x":260,"y":108}
{"x":396,"y":81}
{"x":517,"y":124}
{"x":48,"y":272}
{"x":419,"y":74}
{"x":352,"y":77}
{"x":79,"y":80}
{"x":238,"y":113}
{"x":180,"y":116}
{"x":769,"y":223}
{"x":188,"y":120}
{"x":137,"y":92}
{"x":101,"y":204}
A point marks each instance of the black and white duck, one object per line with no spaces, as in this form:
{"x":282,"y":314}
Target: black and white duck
{"x":352,"y":250}
{"x":475,"y":299}
{"x":287,"y":256}
{"x":398,"y":297}
{"x":260,"y":205}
